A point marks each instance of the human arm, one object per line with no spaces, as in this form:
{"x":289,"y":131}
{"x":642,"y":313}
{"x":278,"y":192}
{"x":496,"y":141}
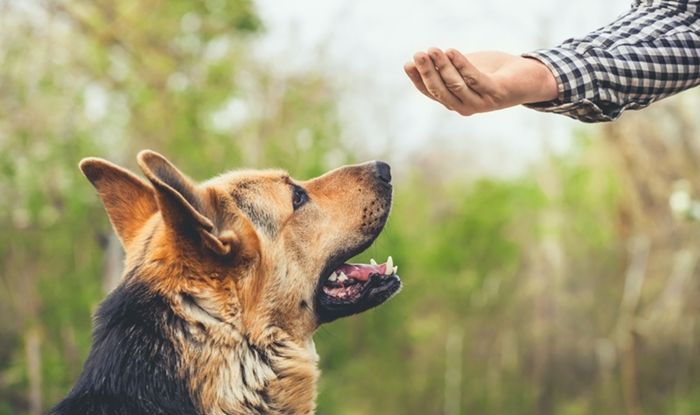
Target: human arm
{"x":481,"y":81}
{"x":647,"y":54}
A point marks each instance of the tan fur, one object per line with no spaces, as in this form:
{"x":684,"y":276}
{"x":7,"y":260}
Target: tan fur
{"x":240,"y":267}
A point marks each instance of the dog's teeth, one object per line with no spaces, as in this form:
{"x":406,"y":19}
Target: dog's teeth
{"x":342,"y":277}
{"x":333,"y":277}
{"x":372,"y":261}
{"x":396,"y":269}
{"x":389,"y":266}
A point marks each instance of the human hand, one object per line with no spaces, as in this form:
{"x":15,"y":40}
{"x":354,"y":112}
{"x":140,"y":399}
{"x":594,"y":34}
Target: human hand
{"x":482,"y":81}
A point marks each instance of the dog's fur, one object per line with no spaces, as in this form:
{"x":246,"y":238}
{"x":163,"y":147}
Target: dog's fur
{"x":216,"y":311}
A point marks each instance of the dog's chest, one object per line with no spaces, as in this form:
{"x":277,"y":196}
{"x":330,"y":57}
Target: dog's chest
{"x":249,"y":380}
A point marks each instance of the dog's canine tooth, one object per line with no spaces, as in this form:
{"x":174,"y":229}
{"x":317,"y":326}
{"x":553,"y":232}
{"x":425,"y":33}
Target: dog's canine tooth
{"x":389,"y":266}
{"x":342,"y":277}
{"x":373,"y":262}
{"x":333,"y":277}
{"x":396,"y":269}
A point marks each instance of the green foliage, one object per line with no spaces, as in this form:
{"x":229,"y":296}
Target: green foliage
{"x":512,"y":288}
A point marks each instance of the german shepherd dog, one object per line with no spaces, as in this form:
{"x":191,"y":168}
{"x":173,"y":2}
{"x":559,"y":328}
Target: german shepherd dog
{"x":225,"y":283}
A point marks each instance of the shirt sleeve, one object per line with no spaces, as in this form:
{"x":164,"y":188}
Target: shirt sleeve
{"x":649,"y":53}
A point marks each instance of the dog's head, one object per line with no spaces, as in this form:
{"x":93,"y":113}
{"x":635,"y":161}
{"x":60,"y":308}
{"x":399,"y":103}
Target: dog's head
{"x":255,"y":247}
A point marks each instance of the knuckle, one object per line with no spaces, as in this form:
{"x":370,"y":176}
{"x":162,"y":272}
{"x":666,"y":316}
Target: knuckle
{"x":455,"y":86}
{"x":470,"y":80}
{"x":465,"y":112}
{"x":459,"y":65}
{"x":441,"y":65}
{"x":434,"y":92}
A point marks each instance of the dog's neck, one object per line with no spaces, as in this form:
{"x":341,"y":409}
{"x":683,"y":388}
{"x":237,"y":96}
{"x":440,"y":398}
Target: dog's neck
{"x":148,"y":356}
{"x":232,"y":372}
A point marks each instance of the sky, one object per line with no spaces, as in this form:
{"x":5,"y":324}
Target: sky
{"x":362,"y":45}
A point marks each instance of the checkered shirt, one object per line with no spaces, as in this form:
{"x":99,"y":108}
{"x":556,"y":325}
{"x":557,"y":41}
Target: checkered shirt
{"x":648,"y":53}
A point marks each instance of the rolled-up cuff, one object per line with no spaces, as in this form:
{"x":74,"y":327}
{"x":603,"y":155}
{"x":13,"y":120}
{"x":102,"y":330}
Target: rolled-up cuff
{"x":577,"y":85}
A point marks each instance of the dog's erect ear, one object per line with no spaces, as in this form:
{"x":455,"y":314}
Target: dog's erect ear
{"x":129,"y":200}
{"x":182,"y":205}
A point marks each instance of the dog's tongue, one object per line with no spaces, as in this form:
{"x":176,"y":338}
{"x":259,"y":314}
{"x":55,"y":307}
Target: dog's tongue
{"x":361,"y":272}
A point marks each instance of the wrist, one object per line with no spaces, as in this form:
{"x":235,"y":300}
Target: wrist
{"x":545,"y":86}
{"x":528,"y":81}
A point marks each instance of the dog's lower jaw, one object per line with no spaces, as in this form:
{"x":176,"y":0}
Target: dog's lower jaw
{"x":275,"y":378}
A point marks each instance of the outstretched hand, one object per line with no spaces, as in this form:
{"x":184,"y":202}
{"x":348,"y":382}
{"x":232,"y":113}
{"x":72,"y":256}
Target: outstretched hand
{"x":482,"y":81}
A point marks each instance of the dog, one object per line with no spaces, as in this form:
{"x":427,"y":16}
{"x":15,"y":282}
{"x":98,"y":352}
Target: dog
{"x":225,"y":283}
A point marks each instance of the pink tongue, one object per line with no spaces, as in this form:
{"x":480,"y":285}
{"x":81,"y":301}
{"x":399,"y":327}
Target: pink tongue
{"x":361,"y":272}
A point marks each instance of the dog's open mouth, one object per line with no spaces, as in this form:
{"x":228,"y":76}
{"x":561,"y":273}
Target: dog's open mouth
{"x":354,"y":288}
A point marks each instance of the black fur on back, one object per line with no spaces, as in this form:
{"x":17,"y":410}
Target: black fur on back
{"x":132,"y":368}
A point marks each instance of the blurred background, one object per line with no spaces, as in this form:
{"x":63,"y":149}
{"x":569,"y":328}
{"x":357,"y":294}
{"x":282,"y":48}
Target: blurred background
{"x":550,"y":267}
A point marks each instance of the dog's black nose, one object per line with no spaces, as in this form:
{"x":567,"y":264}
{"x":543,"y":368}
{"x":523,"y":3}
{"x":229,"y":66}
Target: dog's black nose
{"x":383,"y":171}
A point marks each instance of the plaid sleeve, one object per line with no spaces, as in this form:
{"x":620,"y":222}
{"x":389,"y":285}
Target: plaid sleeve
{"x":649,"y":53}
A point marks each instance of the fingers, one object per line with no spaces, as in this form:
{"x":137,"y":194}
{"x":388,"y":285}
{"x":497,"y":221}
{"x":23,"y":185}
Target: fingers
{"x":473,"y":78}
{"x":460,"y":85}
{"x":414,"y":76}
{"x":454,"y":81}
{"x":433,"y":81}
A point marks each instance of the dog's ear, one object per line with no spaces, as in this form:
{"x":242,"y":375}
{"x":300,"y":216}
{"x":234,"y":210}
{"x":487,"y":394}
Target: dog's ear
{"x":182,"y":204}
{"x":129,"y":200}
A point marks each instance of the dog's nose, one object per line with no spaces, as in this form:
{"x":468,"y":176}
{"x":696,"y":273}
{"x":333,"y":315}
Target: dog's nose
{"x":383,"y":171}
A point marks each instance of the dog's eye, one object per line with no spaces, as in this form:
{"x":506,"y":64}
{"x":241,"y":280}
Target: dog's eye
{"x":299,"y":197}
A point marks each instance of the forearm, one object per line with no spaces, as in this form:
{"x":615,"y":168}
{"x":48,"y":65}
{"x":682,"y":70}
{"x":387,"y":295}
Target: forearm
{"x":647,"y":54}
{"x":525,"y":80}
